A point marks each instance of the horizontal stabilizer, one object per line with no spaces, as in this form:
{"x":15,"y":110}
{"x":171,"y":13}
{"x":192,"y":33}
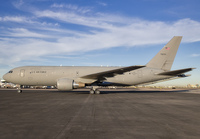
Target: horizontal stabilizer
{"x":175,"y":72}
{"x":168,"y":79}
{"x":111,"y":73}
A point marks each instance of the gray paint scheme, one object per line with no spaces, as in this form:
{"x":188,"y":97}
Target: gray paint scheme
{"x":157,"y":69}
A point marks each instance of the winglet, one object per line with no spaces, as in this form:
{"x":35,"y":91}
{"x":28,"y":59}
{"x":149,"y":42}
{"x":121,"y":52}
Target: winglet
{"x":165,"y":58}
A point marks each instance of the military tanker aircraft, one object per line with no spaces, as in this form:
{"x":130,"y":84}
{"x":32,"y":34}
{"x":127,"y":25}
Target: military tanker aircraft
{"x":67,"y":78}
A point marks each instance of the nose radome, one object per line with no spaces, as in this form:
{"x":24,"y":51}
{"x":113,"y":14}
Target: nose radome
{"x":6,"y":77}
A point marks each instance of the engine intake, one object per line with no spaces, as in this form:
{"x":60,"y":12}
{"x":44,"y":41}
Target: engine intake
{"x":65,"y":84}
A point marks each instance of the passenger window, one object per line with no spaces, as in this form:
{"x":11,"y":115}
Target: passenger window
{"x":10,"y":71}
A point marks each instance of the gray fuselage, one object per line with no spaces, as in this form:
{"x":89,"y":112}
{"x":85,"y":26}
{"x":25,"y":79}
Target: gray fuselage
{"x":48,"y":75}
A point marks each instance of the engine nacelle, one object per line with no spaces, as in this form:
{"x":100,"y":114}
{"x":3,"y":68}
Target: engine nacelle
{"x":65,"y":84}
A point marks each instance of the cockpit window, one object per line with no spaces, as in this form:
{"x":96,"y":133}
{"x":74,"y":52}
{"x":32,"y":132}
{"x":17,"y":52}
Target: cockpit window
{"x":10,"y":71}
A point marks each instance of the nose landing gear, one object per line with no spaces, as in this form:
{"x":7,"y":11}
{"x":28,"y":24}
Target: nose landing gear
{"x":19,"y":90}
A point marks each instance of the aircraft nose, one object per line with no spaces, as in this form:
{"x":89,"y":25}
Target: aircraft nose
{"x":6,"y":77}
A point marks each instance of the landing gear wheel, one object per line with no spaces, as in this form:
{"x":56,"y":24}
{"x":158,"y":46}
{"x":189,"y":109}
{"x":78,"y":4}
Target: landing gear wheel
{"x":91,"y":91}
{"x":94,"y":90}
{"x":97,"y":91}
{"x":19,"y":91}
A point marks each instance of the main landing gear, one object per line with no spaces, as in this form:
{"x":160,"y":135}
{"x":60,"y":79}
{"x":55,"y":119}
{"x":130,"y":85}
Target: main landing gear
{"x":94,"y":90}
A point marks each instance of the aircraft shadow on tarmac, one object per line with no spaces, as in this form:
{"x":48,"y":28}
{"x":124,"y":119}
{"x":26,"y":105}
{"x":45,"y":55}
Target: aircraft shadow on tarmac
{"x":122,"y":91}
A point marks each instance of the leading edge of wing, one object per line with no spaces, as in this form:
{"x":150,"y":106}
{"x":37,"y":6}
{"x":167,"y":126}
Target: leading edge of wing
{"x":176,"y":72}
{"x":111,"y":73}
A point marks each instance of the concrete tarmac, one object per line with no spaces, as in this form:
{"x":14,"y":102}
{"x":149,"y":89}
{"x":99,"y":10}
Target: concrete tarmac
{"x":114,"y":114}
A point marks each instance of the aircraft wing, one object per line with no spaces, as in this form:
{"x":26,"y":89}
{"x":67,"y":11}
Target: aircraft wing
{"x":111,"y":73}
{"x":175,"y":72}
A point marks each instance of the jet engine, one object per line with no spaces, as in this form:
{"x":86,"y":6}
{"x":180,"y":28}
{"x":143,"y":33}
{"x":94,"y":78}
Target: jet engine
{"x":65,"y":84}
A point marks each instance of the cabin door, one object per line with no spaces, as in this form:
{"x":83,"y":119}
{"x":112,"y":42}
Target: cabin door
{"x":22,"y":73}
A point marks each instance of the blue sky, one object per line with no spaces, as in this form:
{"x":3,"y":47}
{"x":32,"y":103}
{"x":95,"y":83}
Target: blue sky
{"x":98,"y":32}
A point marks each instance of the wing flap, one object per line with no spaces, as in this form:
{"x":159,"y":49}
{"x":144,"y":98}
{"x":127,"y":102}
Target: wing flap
{"x":111,"y":73}
{"x":176,"y":72}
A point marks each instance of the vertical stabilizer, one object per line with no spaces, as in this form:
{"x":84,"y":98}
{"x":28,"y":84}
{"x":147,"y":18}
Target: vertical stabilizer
{"x":165,"y":58}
